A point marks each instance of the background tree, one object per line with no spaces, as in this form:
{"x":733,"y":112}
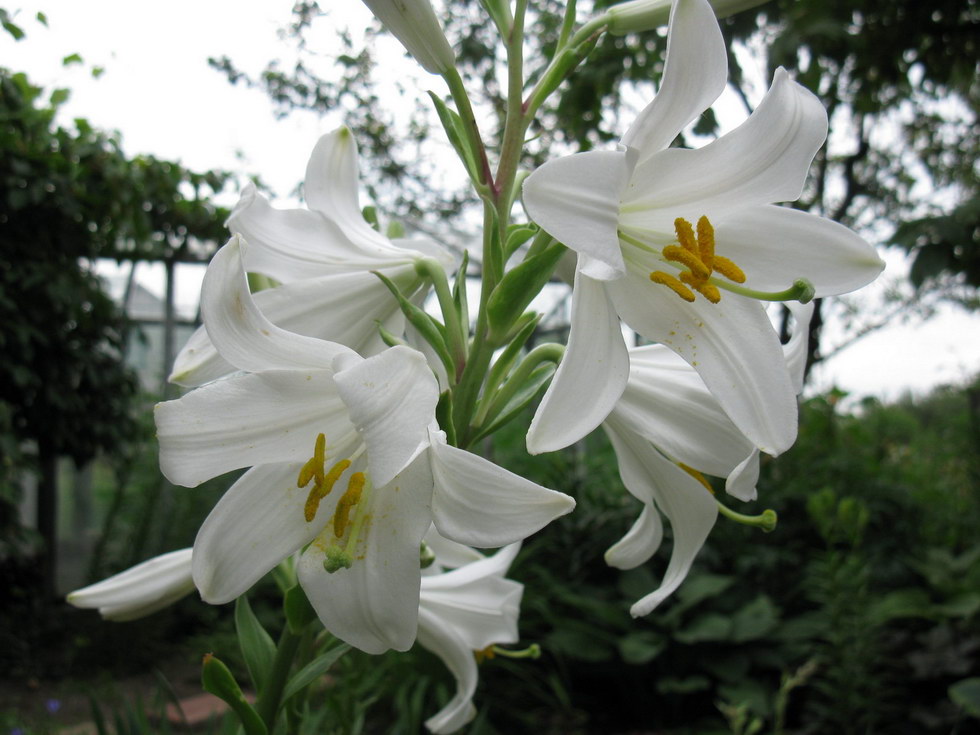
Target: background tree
{"x":68,"y":196}
{"x":899,"y":83}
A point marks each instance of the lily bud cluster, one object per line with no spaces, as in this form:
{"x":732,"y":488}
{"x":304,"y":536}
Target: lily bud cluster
{"x":355,"y":386}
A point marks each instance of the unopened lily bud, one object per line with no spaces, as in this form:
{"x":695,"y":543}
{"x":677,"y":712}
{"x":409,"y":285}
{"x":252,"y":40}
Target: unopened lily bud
{"x":414,"y":23}
{"x":141,"y":590}
{"x":645,"y":15}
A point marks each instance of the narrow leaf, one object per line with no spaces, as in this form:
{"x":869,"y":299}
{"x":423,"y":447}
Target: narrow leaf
{"x":218,"y":679}
{"x":518,"y":287}
{"x":316,"y":668}
{"x":453,"y":125}
{"x":299,"y":611}
{"x":257,"y":646}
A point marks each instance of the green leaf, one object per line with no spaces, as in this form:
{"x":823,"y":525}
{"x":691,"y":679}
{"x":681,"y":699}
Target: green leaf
{"x":708,"y":627}
{"x":59,"y":96}
{"x":71,"y":59}
{"x":13,"y":29}
{"x":452,"y":123}
{"x":640,"y":648}
{"x":963,"y":605}
{"x":218,"y":679}
{"x":518,"y":287}
{"x":966,"y":694}
{"x":755,"y":620}
{"x":686,"y":685}
{"x":517,"y":235}
{"x":430,"y":330}
{"x":42,"y":18}
{"x":313,"y":670}
{"x":537,"y":380}
{"x":910,"y":602}
{"x":299,"y":611}
{"x":257,"y":646}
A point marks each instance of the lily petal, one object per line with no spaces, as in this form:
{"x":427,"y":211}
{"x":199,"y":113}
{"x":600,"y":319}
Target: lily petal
{"x":250,"y":420}
{"x":796,"y":349}
{"x":575,"y":199}
{"x":741,"y":483}
{"x":295,"y":244}
{"x":141,"y":590}
{"x":734,"y":349}
{"x":695,"y":74}
{"x":447,"y":644}
{"x":391,"y":398}
{"x":689,"y":507}
{"x":257,"y":523}
{"x":331,"y":185}
{"x":592,"y":374}
{"x":777,"y":245}
{"x":476,"y":502}
{"x":667,"y":403}
{"x":476,"y":600}
{"x":640,"y":542}
{"x":373,"y":605}
{"x":242,"y":334}
{"x":341,"y":308}
{"x":764,"y":160}
{"x":450,"y":554}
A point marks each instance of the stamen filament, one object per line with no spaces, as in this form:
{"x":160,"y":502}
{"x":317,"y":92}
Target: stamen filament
{"x":360,"y":515}
{"x":801,"y":290}
{"x":697,"y":476}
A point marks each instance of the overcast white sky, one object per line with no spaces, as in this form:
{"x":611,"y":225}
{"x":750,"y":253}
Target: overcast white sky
{"x":159,"y":92}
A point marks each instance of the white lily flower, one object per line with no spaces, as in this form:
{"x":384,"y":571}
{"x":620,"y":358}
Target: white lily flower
{"x":667,"y":429}
{"x":414,"y":23}
{"x":631,"y":213}
{"x":141,"y":590}
{"x":307,"y":415}
{"x":462,"y":611}
{"x":322,"y":256}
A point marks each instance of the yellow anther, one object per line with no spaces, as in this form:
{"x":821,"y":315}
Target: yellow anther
{"x":729,"y":270}
{"x":706,"y":242}
{"x":710,"y":292}
{"x":322,"y":489}
{"x":673,"y":284}
{"x":687,"y":258}
{"x":485,"y":654}
{"x":697,"y":254}
{"x":685,"y":236}
{"x":341,"y":517}
{"x":314,"y":465}
{"x":697,"y":476}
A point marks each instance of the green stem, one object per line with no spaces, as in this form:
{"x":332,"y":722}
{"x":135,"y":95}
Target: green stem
{"x":269,"y":700}
{"x":512,"y":144}
{"x":466,"y":392}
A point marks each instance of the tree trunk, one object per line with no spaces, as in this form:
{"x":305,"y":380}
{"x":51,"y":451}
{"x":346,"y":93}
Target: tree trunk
{"x":47,"y":520}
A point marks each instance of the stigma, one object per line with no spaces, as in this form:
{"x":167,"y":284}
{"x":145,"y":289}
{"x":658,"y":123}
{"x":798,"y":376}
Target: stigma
{"x":696,"y":254}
